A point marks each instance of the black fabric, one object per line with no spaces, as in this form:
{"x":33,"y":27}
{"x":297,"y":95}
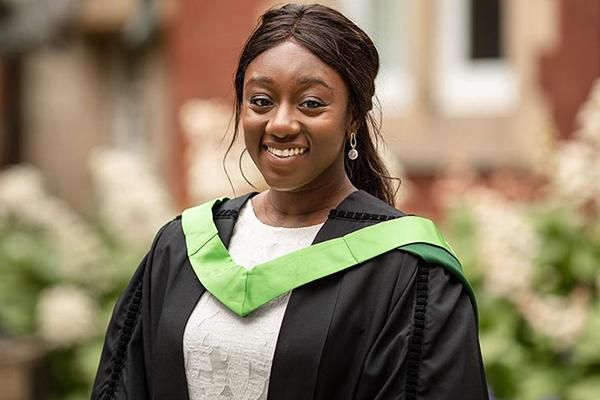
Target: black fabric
{"x":390,"y":328}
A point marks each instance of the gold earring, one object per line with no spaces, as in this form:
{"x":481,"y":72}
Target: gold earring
{"x":353,"y":153}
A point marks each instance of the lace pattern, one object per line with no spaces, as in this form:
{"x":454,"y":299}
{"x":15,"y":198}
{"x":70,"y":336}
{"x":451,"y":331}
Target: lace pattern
{"x":228,"y":357}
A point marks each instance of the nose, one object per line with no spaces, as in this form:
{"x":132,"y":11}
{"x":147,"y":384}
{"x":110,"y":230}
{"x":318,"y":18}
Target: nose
{"x":283,"y":122}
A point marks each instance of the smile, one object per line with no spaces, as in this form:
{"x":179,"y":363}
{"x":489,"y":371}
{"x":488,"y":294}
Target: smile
{"x":283,"y":153}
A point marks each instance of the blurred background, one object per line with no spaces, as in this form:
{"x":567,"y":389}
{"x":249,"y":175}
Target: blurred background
{"x":115,"y":115}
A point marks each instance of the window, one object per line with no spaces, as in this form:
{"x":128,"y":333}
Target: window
{"x":11,"y":120}
{"x":472,"y":73}
{"x":387,"y":23}
{"x":485,"y":35}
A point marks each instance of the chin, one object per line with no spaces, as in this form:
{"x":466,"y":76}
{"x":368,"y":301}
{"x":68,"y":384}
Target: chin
{"x":283,"y":185}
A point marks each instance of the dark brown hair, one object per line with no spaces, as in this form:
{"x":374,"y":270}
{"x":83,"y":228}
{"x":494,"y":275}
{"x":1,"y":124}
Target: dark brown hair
{"x":341,"y":44}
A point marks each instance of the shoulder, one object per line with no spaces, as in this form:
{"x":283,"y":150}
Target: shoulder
{"x":430,"y":260}
{"x":441,"y":289}
{"x":428,"y":288}
{"x":167,"y":253}
{"x":169,"y":235}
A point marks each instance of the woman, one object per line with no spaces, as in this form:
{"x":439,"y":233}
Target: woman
{"x":233,"y":302}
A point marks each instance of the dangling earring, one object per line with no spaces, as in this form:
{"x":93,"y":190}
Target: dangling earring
{"x":353,"y":153}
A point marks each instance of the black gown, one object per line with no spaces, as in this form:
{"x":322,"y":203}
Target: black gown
{"x":393,"y":327}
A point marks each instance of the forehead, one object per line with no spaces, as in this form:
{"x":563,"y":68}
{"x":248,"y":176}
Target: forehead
{"x":292,"y":63}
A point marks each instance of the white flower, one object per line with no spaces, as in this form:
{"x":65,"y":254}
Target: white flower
{"x":131,"y":200}
{"x":506,"y":243}
{"x":577,"y":172}
{"x":560,"y":319}
{"x":19,"y":184}
{"x":79,"y":249}
{"x":66,"y":315}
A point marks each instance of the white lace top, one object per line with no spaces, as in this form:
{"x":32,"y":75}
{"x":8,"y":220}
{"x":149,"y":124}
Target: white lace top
{"x":227,"y":356}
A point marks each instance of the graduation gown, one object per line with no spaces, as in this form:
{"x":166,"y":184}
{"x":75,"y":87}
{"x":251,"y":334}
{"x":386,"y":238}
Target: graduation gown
{"x":393,"y":327}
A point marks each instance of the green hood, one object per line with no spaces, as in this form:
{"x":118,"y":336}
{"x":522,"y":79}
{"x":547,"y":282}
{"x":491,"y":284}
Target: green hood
{"x":244,"y":291}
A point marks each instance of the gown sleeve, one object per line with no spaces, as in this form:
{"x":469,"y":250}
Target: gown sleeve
{"x":122,"y":373}
{"x":434,"y":353}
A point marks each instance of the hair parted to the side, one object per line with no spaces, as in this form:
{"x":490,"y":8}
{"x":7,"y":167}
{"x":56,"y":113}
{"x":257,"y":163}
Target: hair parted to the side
{"x":341,"y":44}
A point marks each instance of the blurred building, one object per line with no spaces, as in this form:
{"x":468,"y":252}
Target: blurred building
{"x":83,"y":73}
{"x":486,"y":84}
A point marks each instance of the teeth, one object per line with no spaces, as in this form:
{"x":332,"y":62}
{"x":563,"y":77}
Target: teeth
{"x":286,"y":152}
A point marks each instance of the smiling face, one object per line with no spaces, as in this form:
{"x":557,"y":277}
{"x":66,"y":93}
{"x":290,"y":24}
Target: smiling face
{"x":295,"y":118}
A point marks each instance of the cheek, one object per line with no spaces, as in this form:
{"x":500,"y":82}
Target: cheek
{"x":252,"y":128}
{"x":331,"y":134}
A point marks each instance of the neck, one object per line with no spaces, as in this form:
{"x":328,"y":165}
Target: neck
{"x":300,"y":208}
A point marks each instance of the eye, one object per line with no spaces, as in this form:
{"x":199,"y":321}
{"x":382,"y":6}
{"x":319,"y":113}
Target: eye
{"x":260,"y":102}
{"x":312,"y":103}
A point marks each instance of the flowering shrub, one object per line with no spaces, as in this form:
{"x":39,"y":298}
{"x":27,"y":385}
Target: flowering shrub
{"x":61,"y":273}
{"x":536,"y":270}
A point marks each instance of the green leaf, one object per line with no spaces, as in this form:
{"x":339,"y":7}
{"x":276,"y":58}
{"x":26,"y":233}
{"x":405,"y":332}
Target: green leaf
{"x":587,"y":350}
{"x":587,"y":389}
{"x":540,"y":382}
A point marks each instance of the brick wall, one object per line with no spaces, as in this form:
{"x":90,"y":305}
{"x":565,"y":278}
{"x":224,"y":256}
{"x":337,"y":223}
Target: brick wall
{"x":203,"y":45}
{"x":567,"y":72}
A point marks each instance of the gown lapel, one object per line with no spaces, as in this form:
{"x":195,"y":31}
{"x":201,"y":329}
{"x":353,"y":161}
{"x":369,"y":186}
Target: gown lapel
{"x":304,"y":327}
{"x":169,"y":379}
{"x":308,"y":316}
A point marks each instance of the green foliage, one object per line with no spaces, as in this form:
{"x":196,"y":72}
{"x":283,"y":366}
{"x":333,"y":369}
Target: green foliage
{"x":26,"y":267}
{"x":29,"y":265}
{"x":522,"y":362}
{"x":586,"y":353}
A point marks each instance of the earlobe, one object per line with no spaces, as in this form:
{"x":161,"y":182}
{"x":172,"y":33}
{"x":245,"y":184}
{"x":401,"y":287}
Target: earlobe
{"x":350,"y":131}
{"x":351,"y":124}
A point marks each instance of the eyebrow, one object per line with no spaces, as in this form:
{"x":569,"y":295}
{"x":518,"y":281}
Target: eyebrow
{"x":313,"y":81}
{"x":304,"y":81}
{"x":260,"y":79}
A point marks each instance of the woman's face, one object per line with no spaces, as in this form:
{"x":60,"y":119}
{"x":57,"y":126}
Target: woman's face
{"x":295,"y":118}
